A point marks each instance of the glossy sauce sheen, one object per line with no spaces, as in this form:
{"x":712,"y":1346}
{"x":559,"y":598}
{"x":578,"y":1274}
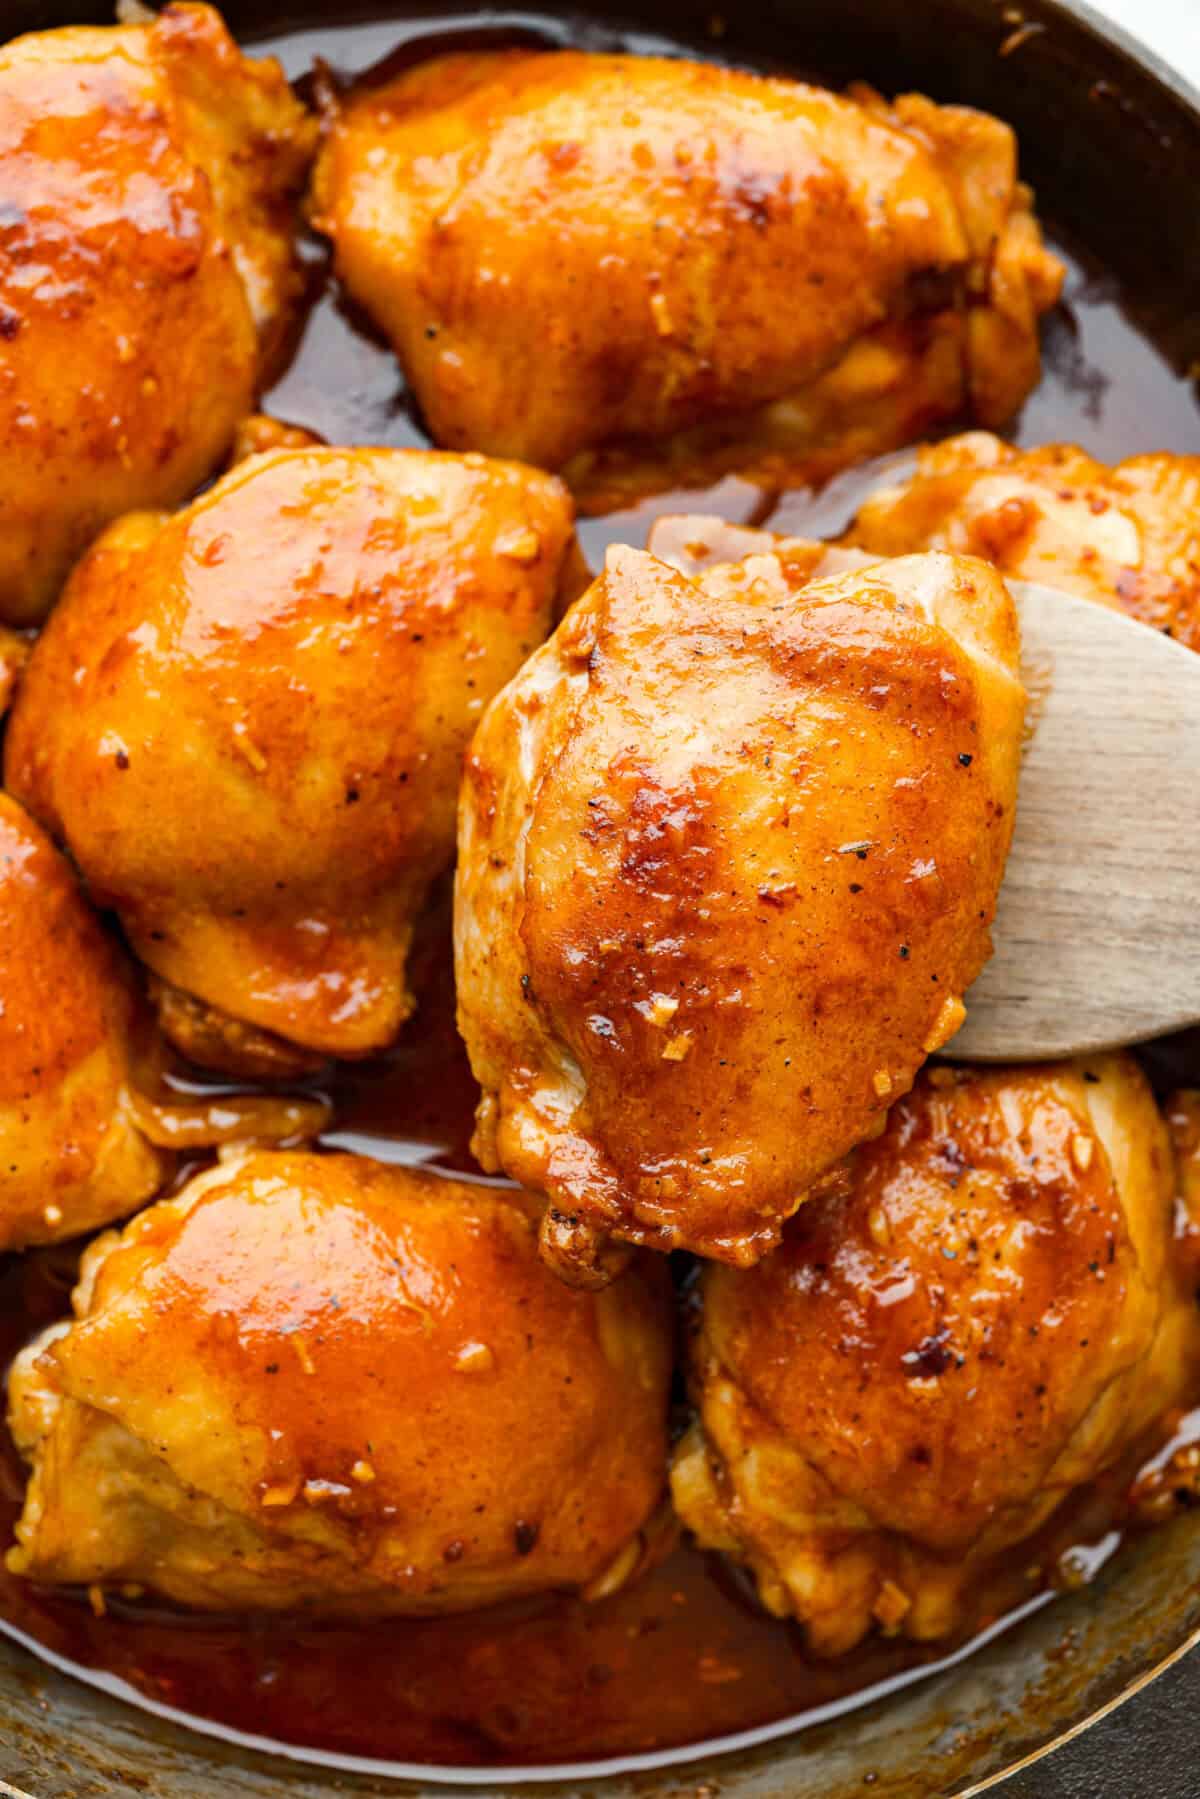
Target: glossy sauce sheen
{"x":685,"y":1654}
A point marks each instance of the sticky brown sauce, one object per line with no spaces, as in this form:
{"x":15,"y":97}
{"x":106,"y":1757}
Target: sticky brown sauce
{"x":685,"y":1655}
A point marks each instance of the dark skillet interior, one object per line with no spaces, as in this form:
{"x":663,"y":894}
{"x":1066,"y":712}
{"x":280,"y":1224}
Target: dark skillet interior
{"x":1114,"y":153}
{"x":1112,"y":149}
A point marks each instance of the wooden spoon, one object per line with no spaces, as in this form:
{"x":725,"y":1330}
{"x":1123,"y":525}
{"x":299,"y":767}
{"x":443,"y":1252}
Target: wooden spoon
{"x":1097,"y":933}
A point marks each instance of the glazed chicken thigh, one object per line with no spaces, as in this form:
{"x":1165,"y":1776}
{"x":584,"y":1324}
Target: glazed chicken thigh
{"x":1128,"y":536}
{"x":147,"y":181}
{"x":745,"y":273}
{"x":13,"y":654}
{"x":318,"y":1381}
{"x":247,"y":722}
{"x":988,"y":1318}
{"x":71,"y":1154}
{"x":728,"y":852}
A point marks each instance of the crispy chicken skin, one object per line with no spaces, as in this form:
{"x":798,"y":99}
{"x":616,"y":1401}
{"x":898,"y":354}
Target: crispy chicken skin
{"x":147,"y":181}
{"x":728,"y":852}
{"x":71,"y":1157}
{"x":318,"y":1381}
{"x":747,"y":273}
{"x":247,"y":722}
{"x":697,"y":542}
{"x":1183,"y":1112}
{"x":987,"y":1319}
{"x":1128,"y":536}
{"x":1183,"y":1120}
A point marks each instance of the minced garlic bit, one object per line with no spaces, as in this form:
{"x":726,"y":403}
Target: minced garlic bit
{"x":676,"y":1048}
{"x":1073,"y":1570}
{"x":363,"y":1473}
{"x":246,"y":747}
{"x":474,"y":1358}
{"x":282,"y":1493}
{"x":319,"y":1492}
{"x":878,"y":1226}
{"x":520,"y":546}
{"x":949,"y":1020}
{"x":661,"y":1009}
{"x":881,"y":1080}
{"x":300,"y":1345}
{"x":96,"y":1601}
{"x":892,"y":1605}
{"x":52,"y":1215}
{"x":1082,"y":1150}
{"x":616,"y":1575}
{"x":661,"y":313}
{"x":717,"y":1673}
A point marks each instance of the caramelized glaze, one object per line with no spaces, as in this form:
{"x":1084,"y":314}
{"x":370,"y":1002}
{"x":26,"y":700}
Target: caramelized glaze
{"x":685,"y":1654}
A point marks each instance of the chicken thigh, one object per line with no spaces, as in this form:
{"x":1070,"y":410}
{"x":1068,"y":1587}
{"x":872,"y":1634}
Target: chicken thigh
{"x":746,"y":273}
{"x":728,"y":852}
{"x":988,"y":1318}
{"x":1128,"y":536}
{"x":71,"y":1155}
{"x":13,"y":654}
{"x":247,"y":722}
{"x":147,"y":181}
{"x":318,"y":1381}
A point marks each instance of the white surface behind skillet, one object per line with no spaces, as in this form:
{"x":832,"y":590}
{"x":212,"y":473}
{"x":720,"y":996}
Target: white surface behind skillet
{"x":1171,"y":28}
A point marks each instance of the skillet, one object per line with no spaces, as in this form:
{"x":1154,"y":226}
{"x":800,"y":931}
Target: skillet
{"x":1111,"y":142}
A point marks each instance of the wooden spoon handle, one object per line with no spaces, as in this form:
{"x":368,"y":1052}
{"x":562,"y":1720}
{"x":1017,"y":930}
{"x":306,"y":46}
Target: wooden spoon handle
{"x":1098,"y":928}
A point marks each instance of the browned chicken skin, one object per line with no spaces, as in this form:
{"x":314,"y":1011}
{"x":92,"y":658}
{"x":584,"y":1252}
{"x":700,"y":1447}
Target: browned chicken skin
{"x":71,"y":1155}
{"x":260,"y":432}
{"x":317,"y":1381}
{"x":728,"y":852}
{"x":989,"y":1317}
{"x":13,"y":654}
{"x":745,"y":273}
{"x":1128,"y":536}
{"x":147,"y":181}
{"x":247,"y":722}
{"x":1183,"y":1114}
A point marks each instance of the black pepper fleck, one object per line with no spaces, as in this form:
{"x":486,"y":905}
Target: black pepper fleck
{"x":930,"y":1357}
{"x":525,"y":1535}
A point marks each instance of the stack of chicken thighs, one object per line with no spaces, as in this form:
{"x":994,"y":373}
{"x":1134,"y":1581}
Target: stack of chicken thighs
{"x":728,"y":819}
